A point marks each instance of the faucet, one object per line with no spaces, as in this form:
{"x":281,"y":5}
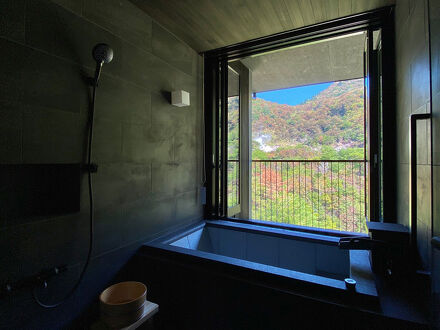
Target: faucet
{"x":361,"y":243}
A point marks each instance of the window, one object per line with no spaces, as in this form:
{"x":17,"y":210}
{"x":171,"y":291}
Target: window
{"x":294,"y":127}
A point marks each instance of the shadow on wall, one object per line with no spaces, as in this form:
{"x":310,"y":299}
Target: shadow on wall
{"x":45,"y":50}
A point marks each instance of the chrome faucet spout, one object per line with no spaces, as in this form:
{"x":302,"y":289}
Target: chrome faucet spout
{"x":360,"y":243}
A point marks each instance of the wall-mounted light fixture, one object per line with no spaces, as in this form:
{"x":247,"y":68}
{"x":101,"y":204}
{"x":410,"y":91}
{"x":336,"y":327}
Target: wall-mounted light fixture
{"x":180,"y":98}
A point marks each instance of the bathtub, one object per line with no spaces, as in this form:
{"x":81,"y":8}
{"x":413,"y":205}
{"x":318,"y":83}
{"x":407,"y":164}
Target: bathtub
{"x":304,"y":263}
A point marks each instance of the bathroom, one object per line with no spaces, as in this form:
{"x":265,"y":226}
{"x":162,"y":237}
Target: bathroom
{"x":151,"y":171}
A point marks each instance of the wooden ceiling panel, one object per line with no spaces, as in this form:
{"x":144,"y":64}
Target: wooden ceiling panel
{"x":318,"y":9}
{"x":210,"y":24}
{"x":331,"y":9}
{"x":344,"y":8}
{"x":295,"y":13}
{"x":305,"y":6}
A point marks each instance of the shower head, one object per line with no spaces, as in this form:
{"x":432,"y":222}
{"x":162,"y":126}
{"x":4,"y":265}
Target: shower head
{"x":102,"y":53}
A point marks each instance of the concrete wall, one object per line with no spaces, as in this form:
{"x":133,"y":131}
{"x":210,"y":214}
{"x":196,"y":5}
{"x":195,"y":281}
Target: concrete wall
{"x":434,"y":20}
{"x":413,"y":96}
{"x":148,"y":152}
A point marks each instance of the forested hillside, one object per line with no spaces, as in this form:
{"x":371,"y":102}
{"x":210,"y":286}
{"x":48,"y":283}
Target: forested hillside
{"x":321,"y":180}
{"x":329,"y":126}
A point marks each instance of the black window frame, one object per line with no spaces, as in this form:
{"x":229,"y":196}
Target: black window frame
{"x":215,"y":84}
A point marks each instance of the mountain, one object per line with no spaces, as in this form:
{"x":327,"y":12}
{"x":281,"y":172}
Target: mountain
{"x":328,"y":126}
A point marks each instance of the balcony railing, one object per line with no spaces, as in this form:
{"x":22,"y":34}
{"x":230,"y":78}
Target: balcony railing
{"x":328,"y":194}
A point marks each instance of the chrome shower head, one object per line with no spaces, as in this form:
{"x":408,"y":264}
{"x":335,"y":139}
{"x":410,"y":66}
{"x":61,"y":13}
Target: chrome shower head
{"x":102,"y":53}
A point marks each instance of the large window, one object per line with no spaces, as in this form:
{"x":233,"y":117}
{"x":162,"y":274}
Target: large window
{"x":297,"y":130}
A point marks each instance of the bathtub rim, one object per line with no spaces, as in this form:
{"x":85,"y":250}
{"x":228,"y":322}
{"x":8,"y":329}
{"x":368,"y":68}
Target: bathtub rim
{"x":320,"y":238}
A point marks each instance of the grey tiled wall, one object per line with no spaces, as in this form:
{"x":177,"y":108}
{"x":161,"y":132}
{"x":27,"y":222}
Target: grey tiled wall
{"x":435,"y":67}
{"x":413,"y":96}
{"x":148,"y":152}
{"x":434,"y":20}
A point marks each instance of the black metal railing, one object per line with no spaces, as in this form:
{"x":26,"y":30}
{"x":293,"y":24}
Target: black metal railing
{"x":327,"y":194}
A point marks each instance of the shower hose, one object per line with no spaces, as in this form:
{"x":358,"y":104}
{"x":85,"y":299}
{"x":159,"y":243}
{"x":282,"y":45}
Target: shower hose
{"x":91,"y":220}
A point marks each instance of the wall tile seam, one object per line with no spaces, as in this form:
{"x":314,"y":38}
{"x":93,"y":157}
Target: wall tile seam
{"x":81,"y":110}
{"x":148,"y":199}
{"x":189,"y":189}
{"x":422,"y":49}
{"x":127,"y":160}
{"x":121,"y":162}
{"x":426,"y":167}
{"x":69,"y":9}
{"x":91,"y":69}
{"x":131,"y":43}
{"x":82,"y":15}
{"x":159,"y":195}
{"x":176,"y":68}
{"x":102,"y":254}
{"x":192,"y":190}
{"x":130,"y":124}
{"x":66,"y":60}
{"x":23,"y":44}
{"x":43,"y":220}
{"x":85,"y":18}
{"x":400,"y":93}
{"x":421,"y":164}
{"x":403,"y":32}
{"x":122,"y":121}
{"x":49,"y":110}
{"x":147,"y":89}
{"x":174,"y":228}
{"x":191,"y":219}
{"x":151,"y":190}
{"x":137,"y":163}
{"x":187,"y":220}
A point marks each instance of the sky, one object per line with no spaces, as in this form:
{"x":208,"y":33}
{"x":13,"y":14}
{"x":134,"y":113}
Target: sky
{"x":295,"y":95}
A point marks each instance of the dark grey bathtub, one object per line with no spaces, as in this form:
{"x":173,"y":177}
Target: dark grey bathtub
{"x":311,"y":263}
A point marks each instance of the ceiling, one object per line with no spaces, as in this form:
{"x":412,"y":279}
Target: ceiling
{"x":210,"y":24}
{"x":325,"y":61}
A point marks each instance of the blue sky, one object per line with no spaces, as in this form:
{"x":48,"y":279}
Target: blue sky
{"x":293,"y":96}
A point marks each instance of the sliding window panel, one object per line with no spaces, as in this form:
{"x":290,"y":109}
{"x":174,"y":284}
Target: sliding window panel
{"x":233,"y":144}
